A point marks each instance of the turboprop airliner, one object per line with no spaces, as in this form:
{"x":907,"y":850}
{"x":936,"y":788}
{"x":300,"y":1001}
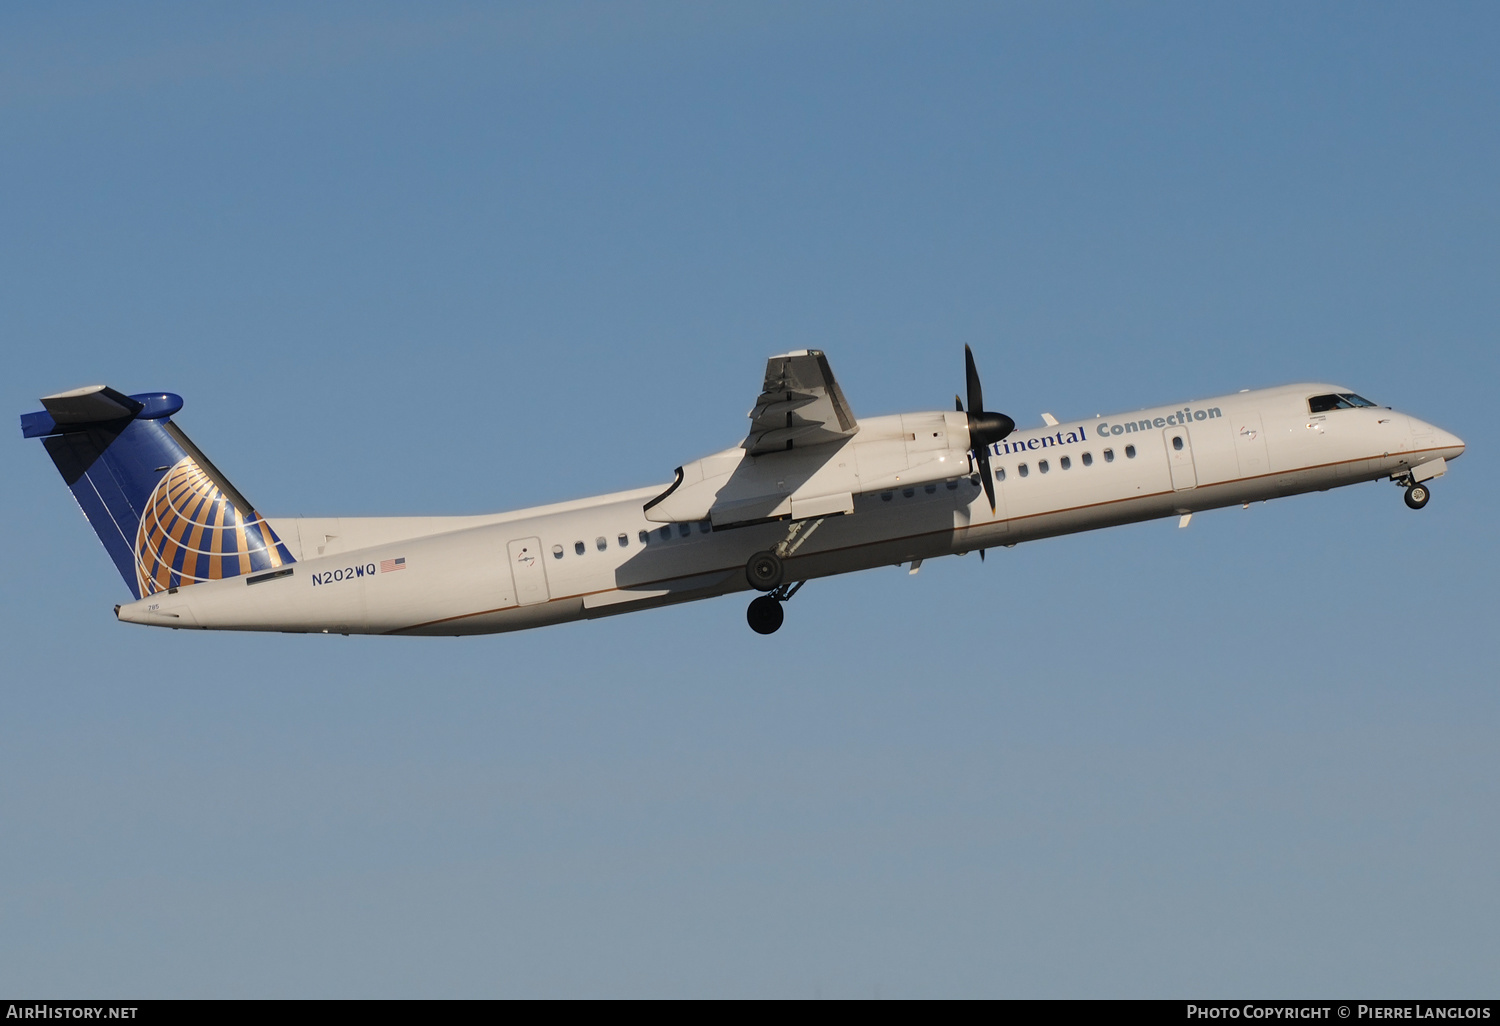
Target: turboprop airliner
{"x":811,"y":492}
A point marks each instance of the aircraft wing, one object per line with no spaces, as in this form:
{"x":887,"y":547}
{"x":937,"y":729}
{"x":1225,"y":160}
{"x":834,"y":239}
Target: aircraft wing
{"x":800,"y":405}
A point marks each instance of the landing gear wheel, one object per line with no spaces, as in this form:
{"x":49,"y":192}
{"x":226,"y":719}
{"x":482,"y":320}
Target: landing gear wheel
{"x":765,"y":615}
{"x":1417,"y":496}
{"x":764,"y":572}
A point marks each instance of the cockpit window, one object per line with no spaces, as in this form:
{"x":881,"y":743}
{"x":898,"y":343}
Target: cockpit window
{"x":1342,"y":401}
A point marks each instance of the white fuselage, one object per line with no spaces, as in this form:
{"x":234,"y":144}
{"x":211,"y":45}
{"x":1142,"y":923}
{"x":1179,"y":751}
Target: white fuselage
{"x":602,"y":555}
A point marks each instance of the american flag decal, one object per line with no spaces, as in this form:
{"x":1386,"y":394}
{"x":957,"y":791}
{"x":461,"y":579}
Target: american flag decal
{"x":387,"y":565}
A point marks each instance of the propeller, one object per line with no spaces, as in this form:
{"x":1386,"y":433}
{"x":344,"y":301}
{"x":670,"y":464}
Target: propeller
{"x":985,"y":428}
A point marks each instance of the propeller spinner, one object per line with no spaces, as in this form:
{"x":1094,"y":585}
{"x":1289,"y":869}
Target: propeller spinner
{"x":985,"y":428}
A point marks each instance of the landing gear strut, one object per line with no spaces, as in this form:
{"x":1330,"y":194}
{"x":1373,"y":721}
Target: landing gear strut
{"x":765,"y":613}
{"x":765,"y":571}
{"x":1417,"y":496}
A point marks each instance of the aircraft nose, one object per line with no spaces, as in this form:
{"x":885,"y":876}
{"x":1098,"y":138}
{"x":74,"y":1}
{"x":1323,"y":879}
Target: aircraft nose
{"x":1430,"y":436}
{"x":1448,"y":440}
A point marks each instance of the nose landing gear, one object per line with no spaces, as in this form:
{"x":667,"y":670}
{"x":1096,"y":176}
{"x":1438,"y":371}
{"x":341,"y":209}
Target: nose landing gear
{"x":1417,"y":492}
{"x":1414,"y":480}
{"x":765,"y":614}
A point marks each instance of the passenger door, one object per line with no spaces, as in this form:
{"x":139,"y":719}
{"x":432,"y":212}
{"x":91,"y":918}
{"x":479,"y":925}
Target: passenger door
{"x":1250,"y":444}
{"x":528,"y":571}
{"x":1180,"y":457}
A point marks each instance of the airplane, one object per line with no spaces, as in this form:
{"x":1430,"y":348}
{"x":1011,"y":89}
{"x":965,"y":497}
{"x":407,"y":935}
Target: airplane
{"x":810,"y":492}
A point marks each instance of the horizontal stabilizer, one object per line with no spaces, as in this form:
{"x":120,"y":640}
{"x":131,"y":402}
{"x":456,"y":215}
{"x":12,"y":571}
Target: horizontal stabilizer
{"x":95,"y":404}
{"x":90,"y":405}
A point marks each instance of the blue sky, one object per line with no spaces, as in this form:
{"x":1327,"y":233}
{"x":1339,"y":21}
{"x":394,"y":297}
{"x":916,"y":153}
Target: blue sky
{"x":429,"y":259}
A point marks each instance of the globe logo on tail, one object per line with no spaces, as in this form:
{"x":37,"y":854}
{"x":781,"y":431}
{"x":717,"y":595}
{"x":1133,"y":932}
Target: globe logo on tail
{"x":191,"y":532}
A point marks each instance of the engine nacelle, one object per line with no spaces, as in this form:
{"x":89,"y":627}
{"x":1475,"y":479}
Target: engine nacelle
{"x":733,"y":487}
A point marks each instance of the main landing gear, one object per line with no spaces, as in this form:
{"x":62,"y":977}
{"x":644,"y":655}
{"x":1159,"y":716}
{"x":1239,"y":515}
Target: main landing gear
{"x":765,"y":613}
{"x":766,"y":572}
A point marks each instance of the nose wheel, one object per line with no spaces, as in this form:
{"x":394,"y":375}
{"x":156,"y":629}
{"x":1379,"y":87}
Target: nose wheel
{"x":1417,"y":496}
{"x":765,"y":614}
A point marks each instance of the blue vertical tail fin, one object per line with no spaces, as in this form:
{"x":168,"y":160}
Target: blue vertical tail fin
{"x":165,"y":514}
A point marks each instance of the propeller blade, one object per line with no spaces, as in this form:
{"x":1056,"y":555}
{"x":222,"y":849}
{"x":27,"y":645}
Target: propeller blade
{"x":982,"y":457}
{"x":976,"y":390}
{"x":985,"y":428}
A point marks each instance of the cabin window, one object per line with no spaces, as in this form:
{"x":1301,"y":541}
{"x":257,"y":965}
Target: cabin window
{"x":952,"y":486}
{"x":1023,"y":470}
{"x":557,"y":552}
{"x":666,"y":534}
{"x":908,"y":492}
{"x":1088,"y":459}
{"x":578,"y":547}
{"x":704,"y":526}
{"x":1043,"y":466}
{"x":644,"y":536}
{"x":1066,"y":462}
{"x":999,"y":473}
{"x":1177,"y":442}
{"x":930,"y":489}
{"x":683,"y":530}
{"x":624,"y":540}
{"x":1109,"y":455}
{"x":1130,"y":452}
{"x":601,"y":543}
{"x":886,"y":496}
